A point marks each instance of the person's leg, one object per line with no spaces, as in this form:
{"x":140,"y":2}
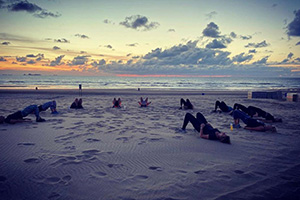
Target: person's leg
{"x":201,"y":118}
{"x":240,"y":107}
{"x":182,"y":102}
{"x":190,"y":118}
{"x":217,"y":105}
{"x":237,"y":114}
{"x":50,"y":104}
{"x":223,"y":106}
{"x":30,"y":109}
{"x":189,"y":104}
{"x":79,"y":103}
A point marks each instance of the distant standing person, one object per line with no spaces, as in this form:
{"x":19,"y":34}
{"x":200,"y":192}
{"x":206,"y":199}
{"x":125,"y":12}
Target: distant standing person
{"x":186,"y":104}
{"x":204,"y":128}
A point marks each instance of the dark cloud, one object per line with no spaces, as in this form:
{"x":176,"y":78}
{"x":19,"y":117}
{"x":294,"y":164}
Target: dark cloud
{"x":257,"y":45}
{"x":244,"y":37}
{"x":252,"y":51}
{"x":139,"y":22}
{"x":2,"y":59}
{"x":261,"y":61}
{"x":135,"y":57}
{"x":290,"y":55}
{"x":128,"y":55}
{"x":31,"y":62}
{"x":211,"y":30}
{"x":82,"y":52}
{"x":233,"y":35}
{"x":45,"y":14}
{"x":216,"y":44}
{"x":210,"y":15}
{"x":106,"y":21}
{"x":26,"y":6}
{"x":293,"y":28}
{"x":108,"y":46}
{"x":171,"y":30}
{"x":274,"y":5}
{"x":5,"y":43}
{"x":79,"y":60}
{"x":99,"y":64}
{"x":132,"y":45}
{"x":57,"y":61}
{"x":21,"y":59}
{"x":63,"y":40}
{"x":242,"y":58}
{"x":298,"y":43}
{"x":56,"y":48}
{"x":82,"y":36}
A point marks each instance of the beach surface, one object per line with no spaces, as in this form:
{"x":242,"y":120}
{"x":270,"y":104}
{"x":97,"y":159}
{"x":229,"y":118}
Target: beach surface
{"x":101,"y":152}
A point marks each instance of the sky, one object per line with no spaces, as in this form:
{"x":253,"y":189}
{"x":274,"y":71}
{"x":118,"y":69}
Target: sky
{"x":150,"y":37}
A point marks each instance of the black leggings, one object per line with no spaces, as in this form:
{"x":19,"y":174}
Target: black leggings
{"x":222,"y":105}
{"x":241,"y":108}
{"x":196,"y":122}
{"x":187,"y":104}
{"x":260,"y":113}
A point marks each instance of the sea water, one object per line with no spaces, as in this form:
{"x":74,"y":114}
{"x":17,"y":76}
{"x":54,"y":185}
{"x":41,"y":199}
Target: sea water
{"x":168,"y":83}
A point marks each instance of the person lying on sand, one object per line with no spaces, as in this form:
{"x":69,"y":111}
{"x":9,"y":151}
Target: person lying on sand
{"x":204,"y":128}
{"x":51,"y":105}
{"x":256,"y":112}
{"x":251,"y":124}
{"x":18,"y":116}
{"x":77,"y":104}
{"x":186,"y":104}
{"x":144,"y":103}
{"x":223,"y":107}
{"x":117,"y":103}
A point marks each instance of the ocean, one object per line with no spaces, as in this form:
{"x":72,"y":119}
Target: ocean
{"x":162,"y":83}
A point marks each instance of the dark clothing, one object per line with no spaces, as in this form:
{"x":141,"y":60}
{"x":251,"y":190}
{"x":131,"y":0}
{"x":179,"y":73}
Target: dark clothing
{"x":76,"y":106}
{"x":250,"y":122}
{"x":16,"y":115}
{"x":241,"y":107}
{"x":261,"y":113}
{"x":222,"y":105}
{"x":196,"y":122}
{"x":186,"y":104}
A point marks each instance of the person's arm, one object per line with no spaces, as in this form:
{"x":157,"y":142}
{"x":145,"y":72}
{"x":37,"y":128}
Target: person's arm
{"x":258,"y":128}
{"x":201,"y":132}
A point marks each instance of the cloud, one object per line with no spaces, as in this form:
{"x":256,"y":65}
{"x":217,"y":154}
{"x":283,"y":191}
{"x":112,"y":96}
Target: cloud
{"x":293,"y":28}
{"x":298,"y":43}
{"x":56,"y":48}
{"x":233,"y":35}
{"x":106,"y":21}
{"x":34,"y":56}
{"x":216,"y":44}
{"x":171,"y":30}
{"x":211,"y":30}
{"x":82,"y":36}
{"x":21,"y":59}
{"x":31,"y":62}
{"x":290,"y":55}
{"x":25,"y":6}
{"x":108,"y":46}
{"x":57,"y":61}
{"x":79,"y":60}
{"x":5,"y":43}
{"x":99,"y":64}
{"x":244,"y":37}
{"x":139,"y":22}
{"x":261,"y":61}
{"x":252,"y":51}
{"x":132,"y":45}
{"x":210,"y":15}
{"x":63,"y":40}
{"x":257,"y":45}
{"x":242,"y":58}
{"x":2,"y":59}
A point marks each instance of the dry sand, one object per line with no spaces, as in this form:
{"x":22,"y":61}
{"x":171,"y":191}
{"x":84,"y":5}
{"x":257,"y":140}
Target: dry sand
{"x":136,"y":153}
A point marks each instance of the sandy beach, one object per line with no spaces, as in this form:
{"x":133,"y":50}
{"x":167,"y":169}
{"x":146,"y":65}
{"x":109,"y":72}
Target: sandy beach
{"x":131,"y":153}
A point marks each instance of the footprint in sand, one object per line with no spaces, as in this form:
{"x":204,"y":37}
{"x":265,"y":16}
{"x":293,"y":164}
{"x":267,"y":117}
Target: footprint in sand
{"x":140,"y":177}
{"x":26,"y":144}
{"x":54,"y":195}
{"x":3,"y":178}
{"x":32,"y":160}
{"x":238,"y":171}
{"x":99,"y":174}
{"x":91,"y":140}
{"x":200,"y":172}
{"x":155,"y":168}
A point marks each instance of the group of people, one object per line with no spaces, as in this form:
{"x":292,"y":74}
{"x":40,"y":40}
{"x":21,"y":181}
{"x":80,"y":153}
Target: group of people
{"x":239,"y":112}
{"x":206,"y":130}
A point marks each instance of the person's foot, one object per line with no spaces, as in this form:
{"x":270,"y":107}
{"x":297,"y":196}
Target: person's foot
{"x":180,"y":130}
{"x":54,"y":112}
{"x":40,"y":120}
{"x":236,"y":126}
